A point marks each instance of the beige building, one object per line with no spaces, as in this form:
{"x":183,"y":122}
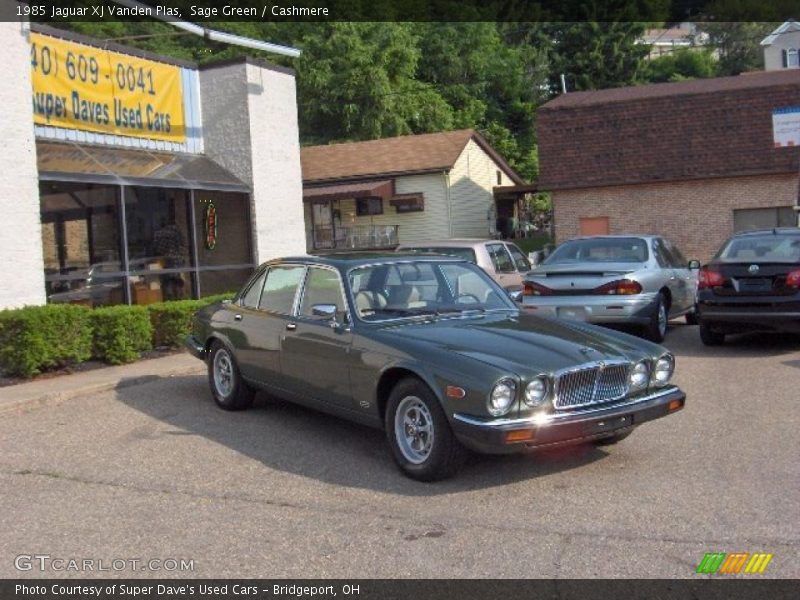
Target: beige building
{"x":782,"y":47}
{"x":381,"y":193}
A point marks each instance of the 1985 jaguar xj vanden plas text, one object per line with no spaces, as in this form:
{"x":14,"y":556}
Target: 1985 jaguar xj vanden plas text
{"x":432,"y":350}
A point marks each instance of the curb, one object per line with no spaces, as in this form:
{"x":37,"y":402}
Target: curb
{"x":55,"y":398}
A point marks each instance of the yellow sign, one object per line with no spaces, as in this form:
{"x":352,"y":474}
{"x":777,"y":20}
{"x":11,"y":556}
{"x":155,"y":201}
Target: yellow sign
{"x":83,"y":87}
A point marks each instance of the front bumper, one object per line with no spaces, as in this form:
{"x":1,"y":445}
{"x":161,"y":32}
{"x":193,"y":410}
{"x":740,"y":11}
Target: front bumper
{"x":636,"y":309}
{"x":195,"y":348}
{"x":573,"y":427}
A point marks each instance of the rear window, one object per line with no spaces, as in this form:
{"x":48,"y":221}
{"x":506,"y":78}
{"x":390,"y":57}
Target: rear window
{"x":462,"y":253}
{"x":600,"y":250}
{"x":761,"y":248}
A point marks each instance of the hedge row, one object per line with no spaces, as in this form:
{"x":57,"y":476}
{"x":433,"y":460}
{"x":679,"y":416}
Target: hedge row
{"x":37,"y":338}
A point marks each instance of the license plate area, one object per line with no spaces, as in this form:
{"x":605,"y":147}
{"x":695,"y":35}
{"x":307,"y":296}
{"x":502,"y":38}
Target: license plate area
{"x":613,"y":423}
{"x":754,"y":284}
{"x":573,"y":314}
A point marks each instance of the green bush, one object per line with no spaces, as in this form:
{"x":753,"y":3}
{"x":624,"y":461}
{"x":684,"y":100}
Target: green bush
{"x":121,"y":333}
{"x":34,"y":338}
{"x":172,"y":321}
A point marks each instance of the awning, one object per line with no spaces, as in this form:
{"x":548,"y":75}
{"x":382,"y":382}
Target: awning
{"x":408,"y":202}
{"x":71,"y":161}
{"x":364,"y":189}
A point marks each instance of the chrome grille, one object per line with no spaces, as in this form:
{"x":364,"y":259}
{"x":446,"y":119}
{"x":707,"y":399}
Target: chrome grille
{"x":591,"y":385}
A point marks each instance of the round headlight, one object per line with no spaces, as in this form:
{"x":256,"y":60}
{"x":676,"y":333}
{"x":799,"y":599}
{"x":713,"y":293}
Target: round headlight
{"x":663,"y":370}
{"x":639,"y":376}
{"x":502,"y":397}
{"x":536,"y":392}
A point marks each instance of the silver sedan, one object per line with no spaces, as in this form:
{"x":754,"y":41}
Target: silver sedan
{"x":641,"y":280}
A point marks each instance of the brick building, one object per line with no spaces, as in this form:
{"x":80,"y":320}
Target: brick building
{"x":693,"y":161}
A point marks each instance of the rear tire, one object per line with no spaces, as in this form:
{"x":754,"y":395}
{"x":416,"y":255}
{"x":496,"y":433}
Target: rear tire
{"x":656,"y":329}
{"x":419,"y":435}
{"x":229,"y":390}
{"x":709,"y":336}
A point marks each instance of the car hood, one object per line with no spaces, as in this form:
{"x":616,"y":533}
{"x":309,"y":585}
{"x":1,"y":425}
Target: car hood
{"x":526,"y":344}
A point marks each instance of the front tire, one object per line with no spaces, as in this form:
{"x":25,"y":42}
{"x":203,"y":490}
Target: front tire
{"x":229,"y":390}
{"x":709,"y":336}
{"x":422,"y":443}
{"x":656,"y":329}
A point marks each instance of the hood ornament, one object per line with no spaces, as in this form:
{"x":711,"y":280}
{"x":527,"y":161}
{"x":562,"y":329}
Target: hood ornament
{"x":753,"y":269}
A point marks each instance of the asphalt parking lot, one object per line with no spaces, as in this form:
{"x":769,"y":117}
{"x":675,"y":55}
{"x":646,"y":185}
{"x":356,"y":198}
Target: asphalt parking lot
{"x":157,"y":471}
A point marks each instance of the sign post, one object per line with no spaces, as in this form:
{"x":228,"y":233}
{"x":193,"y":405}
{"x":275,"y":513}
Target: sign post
{"x":786,"y":132}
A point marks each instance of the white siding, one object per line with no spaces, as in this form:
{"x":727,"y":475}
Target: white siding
{"x":773,"y":54}
{"x":21,"y":259}
{"x":471,"y":181}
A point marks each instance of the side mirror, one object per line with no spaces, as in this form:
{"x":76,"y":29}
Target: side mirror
{"x":324,"y":311}
{"x":515,"y":295}
{"x":694,"y":264}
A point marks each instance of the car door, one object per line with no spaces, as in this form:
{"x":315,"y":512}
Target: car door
{"x":504,"y":271}
{"x":262,"y":326}
{"x":315,"y":350}
{"x":687,"y":277}
{"x":676,"y":285}
{"x":521,"y":263}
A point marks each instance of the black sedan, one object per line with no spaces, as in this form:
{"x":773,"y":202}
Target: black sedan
{"x":433,"y":351}
{"x":752,"y":284}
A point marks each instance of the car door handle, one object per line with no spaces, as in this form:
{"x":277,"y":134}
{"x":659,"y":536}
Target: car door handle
{"x":237,"y":317}
{"x":291,"y":326}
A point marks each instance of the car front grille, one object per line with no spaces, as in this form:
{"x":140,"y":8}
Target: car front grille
{"x":591,"y":385}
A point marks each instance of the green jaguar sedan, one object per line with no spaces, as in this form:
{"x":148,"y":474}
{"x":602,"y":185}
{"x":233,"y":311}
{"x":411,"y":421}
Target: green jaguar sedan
{"x":434,"y":352}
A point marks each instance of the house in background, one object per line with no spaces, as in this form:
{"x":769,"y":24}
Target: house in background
{"x":665,"y":41}
{"x":693,"y":161}
{"x":782,"y":47}
{"x":380,"y":193}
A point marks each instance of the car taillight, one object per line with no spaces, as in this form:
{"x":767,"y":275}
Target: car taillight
{"x":535,"y":289}
{"x":709,"y":279}
{"x":621,"y":287}
{"x":793,"y":279}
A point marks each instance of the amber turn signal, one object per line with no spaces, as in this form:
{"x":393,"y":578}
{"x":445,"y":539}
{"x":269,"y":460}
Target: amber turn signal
{"x":453,"y":391}
{"x":519,"y":435}
{"x":675,"y":405}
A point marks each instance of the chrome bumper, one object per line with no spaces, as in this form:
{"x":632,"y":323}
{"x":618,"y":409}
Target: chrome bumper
{"x":567,"y":427}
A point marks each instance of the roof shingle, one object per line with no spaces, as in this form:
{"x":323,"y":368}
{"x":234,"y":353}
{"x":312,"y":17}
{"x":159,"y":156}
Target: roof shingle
{"x":424,"y":153}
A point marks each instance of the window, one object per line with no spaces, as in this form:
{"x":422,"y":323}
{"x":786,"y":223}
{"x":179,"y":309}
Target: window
{"x":763,"y":218}
{"x":600,"y":250}
{"x":322,"y":287}
{"x":369,"y":206}
{"x":465,"y":253}
{"x":281,"y":289}
{"x":663,"y":258}
{"x":500,"y":259}
{"x":519,"y":258}
{"x":593,"y":225}
{"x":499,"y":178}
{"x":764,"y":248}
{"x":791,"y":57}
{"x":678,"y":259}
{"x":253,"y":293}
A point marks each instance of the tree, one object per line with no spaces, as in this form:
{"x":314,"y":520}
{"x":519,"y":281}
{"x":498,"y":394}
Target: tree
{"x":738,"y":44}
{"x":684,"y":63}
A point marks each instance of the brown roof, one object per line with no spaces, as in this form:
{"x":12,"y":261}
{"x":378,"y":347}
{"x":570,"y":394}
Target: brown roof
{"x":666,"y":132}
{"x":390,"y":157}
{"x":363,"y":189}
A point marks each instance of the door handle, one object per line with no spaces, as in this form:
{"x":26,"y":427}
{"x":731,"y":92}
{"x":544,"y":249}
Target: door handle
{"x":237,"y":317}
{"x":291,"y":326}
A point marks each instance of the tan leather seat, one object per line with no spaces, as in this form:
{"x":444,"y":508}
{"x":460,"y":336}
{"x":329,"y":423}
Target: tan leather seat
{"x":367,"y":301}
{"x":405,"y":296}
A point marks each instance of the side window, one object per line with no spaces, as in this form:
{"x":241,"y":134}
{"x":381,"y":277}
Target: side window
{"x":281,"y":288}
{"x":322,"y":287}
{"x":520,"y":260}
{"x":662,"y":258}
{"x":253,"y":293}
{"x":678,"y":259}
{"x":500,"y":258}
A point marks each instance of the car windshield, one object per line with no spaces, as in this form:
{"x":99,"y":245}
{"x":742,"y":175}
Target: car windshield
{"x":761,"y":248}
{"x":423,"y":288}
{"x":463,"y":253}
{"x":600,"y":250}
